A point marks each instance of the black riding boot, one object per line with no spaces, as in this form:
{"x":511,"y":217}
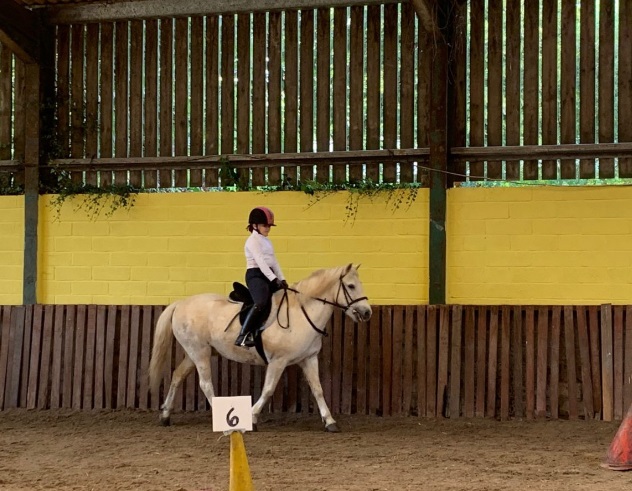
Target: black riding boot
{"x":246,"y":337}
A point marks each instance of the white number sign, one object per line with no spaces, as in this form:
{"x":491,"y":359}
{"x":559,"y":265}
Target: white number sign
{"x":232,"y":413}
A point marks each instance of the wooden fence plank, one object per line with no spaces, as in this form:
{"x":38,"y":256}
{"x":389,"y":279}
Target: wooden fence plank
{"x":228,"y":86}
{"x":587,"y":84}
{"x":6,"y":97}
{"x":477,"y":84}
{"x":492,"y":364}
{"x":106,"y":91}
{"x":505,"y":346}
{"x":518,"y":362}
{"x":136,"y":97}
{"x":607,"y":364}
{"x":550,"y":84}
{"x":568,"y":98}
{"x":595,"y":353}
{"x":121,"y":99}
{"x":409,"y":347}
{"x":196,"y":145}
{"x":569,"y":342}
{"x":443,"y":359}
{"x":542,"y":362}
{"x":181,"y":113}
{"x":431,"y":362}
{"x":387,"y":359}
{"x":618,"y":348}
{"x":132,"y":367}
{"x":290,"y":86}
{"x":5,"y":333}
{"x":243,"y":83}
{"x":26,"y":355}
{"x":389,"y":90}
{"x":166,"y":101}
{"x":627,"y":382}
{"x":375,"y":379}
{"x":554,"y":382}
{"x":584,"y":353}
{"x":88,"y":376}
{"x":606,"y":87}
{"x":16,"y":341}
{"x":348,"y":364}
{"x":77,"y":135}
{"x":625,"y":85}
{"x":43,"y":390}
{"x":407,"y":84}
{"x":123,"y":352}
{"x":259,"y":56}
{"x":211,"y":143}
{"x":530,"y":362}
{"x":469,"y":369}
{"x":531,"y":94}
{"x":421,"y":360}
{"x":78,"y":366}
{"x":373,"y":82}
{"x":513,"y":82}
{"x":397,"y":358}
{"x":150,"y":100}
{"x":481,"y":362}
{"x":69,"y":350}
{"x":109,"y":375}
{"x":92,"y":100}
{"x":99,"y":357}
{"x":36,"y":345}
{"x":306,"y":99}
{"x":58,"y":355}
{"x":274,"y":93}
{"x":362,"y":369}
{"x":455,"y":362}
{"x":323,"y":75}
{"x":340,"y":91}
{"x":356,"y":87}
{"x":494,"y":118}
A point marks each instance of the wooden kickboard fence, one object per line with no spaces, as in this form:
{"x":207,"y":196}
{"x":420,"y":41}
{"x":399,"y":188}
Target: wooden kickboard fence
{"x":452,"y":361}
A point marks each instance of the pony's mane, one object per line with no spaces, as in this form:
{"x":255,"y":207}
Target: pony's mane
{"x":317,"y":282}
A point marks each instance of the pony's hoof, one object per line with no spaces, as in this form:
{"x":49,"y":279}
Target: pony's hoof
{"x":332,"y":428}
{"x":165,"y":420}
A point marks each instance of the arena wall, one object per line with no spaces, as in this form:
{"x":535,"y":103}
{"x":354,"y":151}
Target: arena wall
{"x":11,"y":249}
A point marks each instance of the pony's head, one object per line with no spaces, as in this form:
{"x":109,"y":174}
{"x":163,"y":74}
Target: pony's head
{"x":351,"y":295}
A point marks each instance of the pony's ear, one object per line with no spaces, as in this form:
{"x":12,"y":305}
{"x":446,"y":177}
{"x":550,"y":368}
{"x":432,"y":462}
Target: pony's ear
{"x":348,"y":268}
{"x":358,"y":266}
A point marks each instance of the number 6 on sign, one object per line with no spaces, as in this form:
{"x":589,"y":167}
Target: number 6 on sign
{"x":232,"y":413}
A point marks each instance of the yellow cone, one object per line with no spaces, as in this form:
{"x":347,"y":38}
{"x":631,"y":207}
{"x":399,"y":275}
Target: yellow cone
{"x":240,"y":479}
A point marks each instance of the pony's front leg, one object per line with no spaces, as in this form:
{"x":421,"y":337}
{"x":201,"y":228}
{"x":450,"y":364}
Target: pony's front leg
{"x":310,"y":370}
{"x":179,"y":374}
{"x":273,"y":374}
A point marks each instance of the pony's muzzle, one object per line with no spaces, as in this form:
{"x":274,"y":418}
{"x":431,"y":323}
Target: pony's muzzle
{"x":362,"y":314}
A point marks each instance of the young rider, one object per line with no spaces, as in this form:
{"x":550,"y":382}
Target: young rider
{"x":263,"y":273}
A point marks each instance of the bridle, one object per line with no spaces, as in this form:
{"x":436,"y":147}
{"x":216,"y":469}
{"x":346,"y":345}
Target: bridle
{"x":341,"y":286}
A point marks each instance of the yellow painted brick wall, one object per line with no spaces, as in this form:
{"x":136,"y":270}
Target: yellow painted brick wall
{"x":11,"y":249}
{"x":172,"y":245}
{"x":570,"y":245}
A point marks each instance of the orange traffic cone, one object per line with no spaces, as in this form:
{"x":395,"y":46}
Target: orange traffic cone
{"x":619,"y":457}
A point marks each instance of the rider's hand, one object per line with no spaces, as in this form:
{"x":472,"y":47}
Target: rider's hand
{"x":284,"y":285}
{"x":277,"y":283}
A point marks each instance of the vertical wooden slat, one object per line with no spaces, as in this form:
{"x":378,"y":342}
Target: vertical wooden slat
{"x":492,"y":363}
{"x":518,"y":369}
{"x":584,"y":353}
{"x":627,"y":381}
{"x":431,"y":362}
{"x":6,"y":95}
{"x":145,"y":351}
{"x":362,"y":370}
{"x":443,"y":359}
{"x":46,"y":348}
{"x":88,"y":380}
{"x":69,"y":348}
{"x":477,"y":87}
{"x":389,"y":115}
{"x":92,"y":97}
{"x":554,"y":383}
{"x":607,"y":364}
{"x":323,"y":72}
{"x":150,"y":99}
{"x":407,"y":82}
{"x":108,"y":367}
{"x":373,"y":71}
{"x":99,"y":357}
{"x":340,"y":90}
{"x":58,"y":355}
{"x":587,"y":101}
{"x":513,"y":80}
{"x":228,"y":85}
{"x":606,"y":84}
{"x":505,"y":367}
{"x":78,"y":367}
{"x":595,"y":353}
{"x":455,"y":362}
{"x":274,"y":93}
{"x":421,"y":360}
{"x":617,"y":348}
{"x":348,"y":365}
{"x":136,"y":97}
{"x":181,"y":112}
{"x":123,"y":350}
{"x":5,"y":332}
{"x":26,"y":355}
{"x":306,"y":99}
{"x":166,"y":99}
{"x":387,"y":359}
{"x":494,"y":116}
{"x":625,"y":84}
{"x":407,"y":386}
{"x":567,"y":84}
{"x":531,"y":93}
{"x":290,"y":87}
{"x":197,"y":97}
{"x":530,"y":362}
{"x":259,"y":93}
{"x":469,"y":373}
{"x":36,"y":344}
{"x":14,"y":362}
{"x":106,"y":95}
{"x":374,"y":358}
{"x":569,"y":341}
{"x":397,"y":358}
{"x":243,"y":84}
{"x":19,"y":111}
{"x":132,"y":367}
{"x":121,"y":106}
{"x":549,"y":83}
{"x":481,"y":362}
{"x":356,"y":87}
{"x":212,"y":96}
{"x":77,"y":138}
{"x":542,"y":354}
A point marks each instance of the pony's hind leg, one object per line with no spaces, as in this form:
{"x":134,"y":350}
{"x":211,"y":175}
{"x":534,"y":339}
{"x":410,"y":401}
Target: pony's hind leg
{"x":273,"y":374}
{"x":179,"y":374}
{"x":310,"y":370}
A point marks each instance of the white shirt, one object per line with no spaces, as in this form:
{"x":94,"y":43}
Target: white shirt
{"x":260,"y":254}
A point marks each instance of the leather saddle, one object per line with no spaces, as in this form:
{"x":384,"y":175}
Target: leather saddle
{"x":241,"y":294}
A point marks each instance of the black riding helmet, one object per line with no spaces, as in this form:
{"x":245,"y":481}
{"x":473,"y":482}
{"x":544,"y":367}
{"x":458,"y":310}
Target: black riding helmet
{"x":261,"y":216}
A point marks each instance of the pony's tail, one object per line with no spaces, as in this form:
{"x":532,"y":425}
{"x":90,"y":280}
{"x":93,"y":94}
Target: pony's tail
{"x":162,"y":346}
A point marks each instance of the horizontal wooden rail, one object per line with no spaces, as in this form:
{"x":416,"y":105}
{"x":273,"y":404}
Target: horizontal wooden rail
{"x":542,"y":152}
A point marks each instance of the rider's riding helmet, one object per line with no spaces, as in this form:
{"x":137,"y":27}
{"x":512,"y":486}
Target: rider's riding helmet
{"x":261,"y":216}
